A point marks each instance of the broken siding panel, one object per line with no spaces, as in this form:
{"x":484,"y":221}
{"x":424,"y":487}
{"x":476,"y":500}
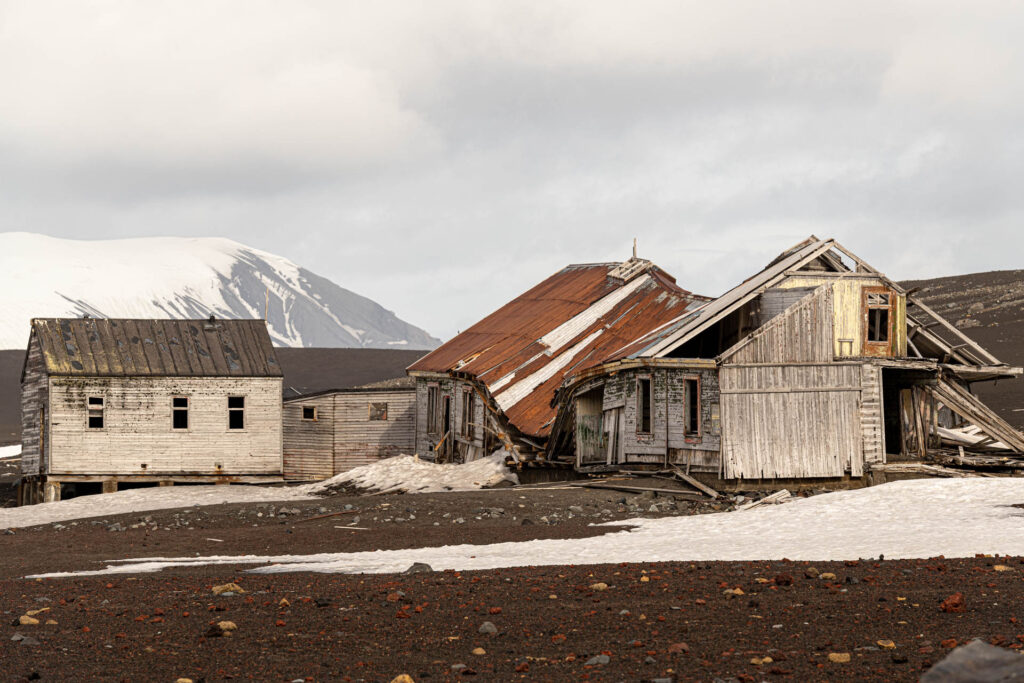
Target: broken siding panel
{"x":871,"y":415}
{"x":309,"y":445}
{"x":790,"y":421}
{"x":137,"y":427}
{"x":802,"y":333}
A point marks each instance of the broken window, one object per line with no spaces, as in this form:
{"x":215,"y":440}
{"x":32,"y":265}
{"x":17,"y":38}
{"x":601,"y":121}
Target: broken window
{"x":467,"y":428}
{"x":379,"y":412}
{"x":309,"y":413}
{"x":433,"y":398}
{"x":878,"y":317}
{"x":236,"y":412}
{"x":643,"y":405}
{"x":691,"y":407}
{"x":179,"y":412}
{"x":95,"y":404}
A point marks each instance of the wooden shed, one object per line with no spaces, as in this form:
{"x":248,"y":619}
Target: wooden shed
{"x":109,"y":401}
{"x":329,"y":432}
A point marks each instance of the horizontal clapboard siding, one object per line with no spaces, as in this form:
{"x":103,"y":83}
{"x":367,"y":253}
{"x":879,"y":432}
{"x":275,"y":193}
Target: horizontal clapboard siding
{"x":137,"y":427}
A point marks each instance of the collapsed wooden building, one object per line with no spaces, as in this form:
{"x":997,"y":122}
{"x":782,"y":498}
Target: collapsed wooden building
{"x":107,"y":402}
{"x":817,"y":367}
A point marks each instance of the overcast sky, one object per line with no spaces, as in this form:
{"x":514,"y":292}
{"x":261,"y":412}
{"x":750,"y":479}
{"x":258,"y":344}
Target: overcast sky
{"x":442,"y":157}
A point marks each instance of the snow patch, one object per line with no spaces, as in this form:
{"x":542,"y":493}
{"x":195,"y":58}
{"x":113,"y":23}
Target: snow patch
{"x":907,"y":519}
{"x":409,"y":473}
{"x":8,"y":452}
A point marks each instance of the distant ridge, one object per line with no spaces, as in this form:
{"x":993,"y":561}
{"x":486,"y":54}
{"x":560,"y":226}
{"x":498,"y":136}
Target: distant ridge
{"x":179,"y":277}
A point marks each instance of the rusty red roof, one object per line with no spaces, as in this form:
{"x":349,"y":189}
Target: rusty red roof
{"x":571,"y":321}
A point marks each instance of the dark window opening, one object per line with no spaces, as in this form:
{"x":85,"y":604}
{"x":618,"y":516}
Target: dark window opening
{"x":179,"y":412}
{"x":379,"y":412}
{"x":691,"y":409}
{"x":643,"y":407}
{"x":467,"y":428}
{"x":309,"y":413}
{"x":878,"y":324}
{"x":95,"y":404}
{"x":236,"y":412}
{"x":433,"y":394}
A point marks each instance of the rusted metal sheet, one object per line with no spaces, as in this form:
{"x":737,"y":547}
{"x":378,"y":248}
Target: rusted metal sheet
{"x":108,"y":347}
{"x":576,"y":319}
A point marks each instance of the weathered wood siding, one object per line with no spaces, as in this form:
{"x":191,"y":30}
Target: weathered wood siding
{"x":309,"y":445}
{"x":801,"y":333}
{"x":848,"y":310}
{"x":872,"y":422}
{"x":34,"y":399}
{"x":791,"y":421}
{"x":343,"y":436}
{"x":359,"y":440}
{"x":620,"y":405}
{"x":137,"y":429}
{"x":426,"y":439}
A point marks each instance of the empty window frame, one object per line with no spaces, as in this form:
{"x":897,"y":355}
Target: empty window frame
{"x":236,"y":412}
{"x":95,"y":405}
{"x":644,"y":401}
{"x":467,"y":428}
{"x":433,"y":404}
{"x":179,"y":412}
{"x":309,"y":413}
{"x":878,"y":308}
{"x":691,"y":407}
{"x":378,"y":412}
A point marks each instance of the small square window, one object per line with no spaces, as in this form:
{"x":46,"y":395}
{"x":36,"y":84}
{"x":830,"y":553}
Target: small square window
{"x":309,"y":413}
{"x":378,"y":412}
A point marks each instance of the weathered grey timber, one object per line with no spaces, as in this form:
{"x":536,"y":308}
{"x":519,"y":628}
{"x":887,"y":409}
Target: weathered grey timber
{"x":148,"y":400}
{"x":333,"y":431}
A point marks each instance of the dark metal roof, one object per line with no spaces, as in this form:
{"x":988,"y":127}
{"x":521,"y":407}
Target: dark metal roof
{"x":108,"y":347}
{"x":571,"y":321}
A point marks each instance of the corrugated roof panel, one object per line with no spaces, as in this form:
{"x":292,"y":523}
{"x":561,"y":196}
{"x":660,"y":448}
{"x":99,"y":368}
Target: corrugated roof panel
{"x":101,"y":347}
{"x":571,"y":320}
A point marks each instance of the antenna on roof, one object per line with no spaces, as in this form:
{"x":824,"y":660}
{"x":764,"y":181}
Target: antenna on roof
{"x":634,"y":247}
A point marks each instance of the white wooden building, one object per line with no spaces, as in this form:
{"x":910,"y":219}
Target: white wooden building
{"x":329,"y":432}
{"x":108,"y":402}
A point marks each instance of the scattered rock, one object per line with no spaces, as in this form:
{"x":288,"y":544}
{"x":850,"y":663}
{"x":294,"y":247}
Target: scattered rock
{"x":677,"y":648}
{"x":977,"y":661}
{"x":1002,"y":568}
{"x":599,"y":586}
{"x":886,"y":644}
{"x":487,"y":627}
{"x":232,"y":588}
{"x":403,"y":678}
{"x":25,"y":620}
{"x":839,"y":657}
{"x":227,"y":626}
{"x":783,"y":580}
{"x":954,"y":603}
{"x":760,"y":661}
{"x":811,"y":573}
{"x":479,"y":651}
{"x":827,"y":576}
{"x":599,"y":660}
{"x":183,"y":680}
{"x":419,"y":568}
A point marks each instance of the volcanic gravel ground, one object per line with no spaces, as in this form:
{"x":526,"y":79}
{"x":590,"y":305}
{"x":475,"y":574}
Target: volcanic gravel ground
{"x":661,"y":621}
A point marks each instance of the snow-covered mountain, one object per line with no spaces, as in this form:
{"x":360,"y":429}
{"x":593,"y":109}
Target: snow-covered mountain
{"x":178,"y":277}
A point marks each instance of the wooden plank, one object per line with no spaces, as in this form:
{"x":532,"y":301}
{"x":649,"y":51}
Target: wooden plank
{"x":700,"y":486}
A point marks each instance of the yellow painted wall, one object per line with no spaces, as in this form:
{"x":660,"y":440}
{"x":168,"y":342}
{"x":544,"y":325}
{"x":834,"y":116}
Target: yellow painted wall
{"x":848,"y":311}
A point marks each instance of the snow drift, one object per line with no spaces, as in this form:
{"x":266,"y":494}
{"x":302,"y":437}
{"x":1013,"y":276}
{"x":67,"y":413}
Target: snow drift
{"x":177,"y":277}
{"x":410,"y":474}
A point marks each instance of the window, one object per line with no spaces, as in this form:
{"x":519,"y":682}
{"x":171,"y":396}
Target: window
{"x":878,"y":317}
{"x":236,"y":412}
{"x":643,"y":405}
{"x":433,"y":398}
{"x":691,"y":407}
{"x":179,"y":412}
{"x":309,"y":413}
{"x":95,"y":405}
{"x":379,"y":412}
{"x":467,"y":427}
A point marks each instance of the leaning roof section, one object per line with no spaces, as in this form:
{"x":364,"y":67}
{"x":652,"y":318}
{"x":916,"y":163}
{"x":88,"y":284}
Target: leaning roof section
{"x":109,"y":347}
{"x":571,"y":321}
